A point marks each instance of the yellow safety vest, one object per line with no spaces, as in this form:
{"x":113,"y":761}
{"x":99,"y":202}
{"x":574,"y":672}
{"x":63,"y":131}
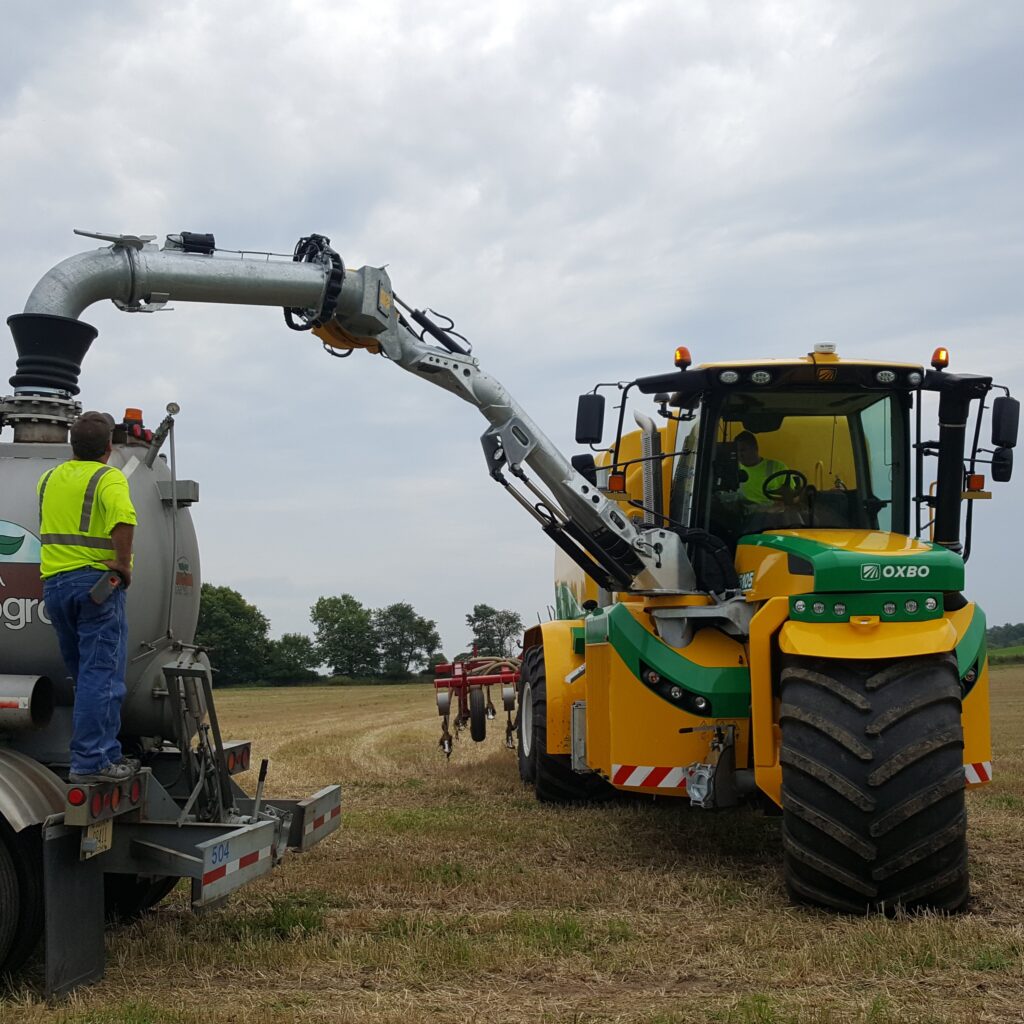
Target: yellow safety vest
{"x":751,"y":488}
{"x":80,"y":502}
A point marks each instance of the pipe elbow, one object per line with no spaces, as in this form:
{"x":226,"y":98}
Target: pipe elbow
{"x":79,"y":281}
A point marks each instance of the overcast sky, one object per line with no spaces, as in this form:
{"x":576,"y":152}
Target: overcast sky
{"x":582,"y":185}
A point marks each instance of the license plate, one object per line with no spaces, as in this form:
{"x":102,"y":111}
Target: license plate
{"x":98,"y":838}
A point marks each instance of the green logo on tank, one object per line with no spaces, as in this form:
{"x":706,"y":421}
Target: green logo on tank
{"x":9,"y":545}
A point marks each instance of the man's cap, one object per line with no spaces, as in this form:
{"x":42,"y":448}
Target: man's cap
{"x":92,"y":414}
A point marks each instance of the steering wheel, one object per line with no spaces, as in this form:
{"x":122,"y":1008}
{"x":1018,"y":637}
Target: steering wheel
{"x":792,"y":484}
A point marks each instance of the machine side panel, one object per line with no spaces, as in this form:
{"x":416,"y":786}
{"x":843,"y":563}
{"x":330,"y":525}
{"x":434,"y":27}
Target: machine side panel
{"x":560,"y":661}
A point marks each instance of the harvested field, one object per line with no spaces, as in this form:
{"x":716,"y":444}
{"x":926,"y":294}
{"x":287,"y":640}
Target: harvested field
{"x":451,"y":895}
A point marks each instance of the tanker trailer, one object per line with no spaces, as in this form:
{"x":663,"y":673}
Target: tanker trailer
{"x":73,"y":855}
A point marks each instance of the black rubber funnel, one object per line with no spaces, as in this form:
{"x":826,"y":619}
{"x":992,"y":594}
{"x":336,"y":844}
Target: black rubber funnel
{"x":50,"y":350}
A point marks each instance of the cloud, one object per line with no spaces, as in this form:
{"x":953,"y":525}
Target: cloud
{"x":581,"y":186}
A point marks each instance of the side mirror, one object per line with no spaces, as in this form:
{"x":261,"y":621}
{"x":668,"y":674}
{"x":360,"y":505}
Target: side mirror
{"x":586,"y":467}
{"x":590,"y":419}
{"x":1005,"y":421}
{"x":1002,"y":465}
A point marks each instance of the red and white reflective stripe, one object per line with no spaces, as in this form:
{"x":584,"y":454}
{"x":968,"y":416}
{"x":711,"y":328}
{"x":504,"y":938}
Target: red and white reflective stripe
{"x":980,"y":771}
{"x":231,"y":867}
{"x":316,"y":823}
{"x":648,"y":776}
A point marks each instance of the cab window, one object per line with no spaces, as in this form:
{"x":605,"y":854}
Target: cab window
{"x":808,"y":460}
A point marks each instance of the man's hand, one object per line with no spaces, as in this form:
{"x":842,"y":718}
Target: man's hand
{"x":123,"y":569}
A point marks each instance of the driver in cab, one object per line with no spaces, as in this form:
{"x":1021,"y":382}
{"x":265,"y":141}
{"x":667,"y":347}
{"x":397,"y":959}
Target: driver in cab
{"x":754,"y":470}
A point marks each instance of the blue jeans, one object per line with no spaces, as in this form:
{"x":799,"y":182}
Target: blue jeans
{"x":93,"y":641}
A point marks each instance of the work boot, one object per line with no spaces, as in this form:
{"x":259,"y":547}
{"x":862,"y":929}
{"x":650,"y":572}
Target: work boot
{"x":112,"y":773}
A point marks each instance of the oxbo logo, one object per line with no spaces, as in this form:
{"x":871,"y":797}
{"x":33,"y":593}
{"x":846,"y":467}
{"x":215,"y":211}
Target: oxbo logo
{"x":877,"y":571}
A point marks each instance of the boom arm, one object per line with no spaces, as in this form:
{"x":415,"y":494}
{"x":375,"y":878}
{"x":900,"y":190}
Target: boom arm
{"x":356,"y":309}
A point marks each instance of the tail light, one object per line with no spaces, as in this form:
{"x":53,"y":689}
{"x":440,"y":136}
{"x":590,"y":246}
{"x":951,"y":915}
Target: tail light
{"x":96,"y":804}
{"x":76,"y":796}
{"x":135,"y":791}
{"x":115,"y":798}
{"x":236,"y":757}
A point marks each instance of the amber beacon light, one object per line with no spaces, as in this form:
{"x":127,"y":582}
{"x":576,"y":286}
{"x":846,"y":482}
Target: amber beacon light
{"x":940,"y":358}
{"x":682,"y":359}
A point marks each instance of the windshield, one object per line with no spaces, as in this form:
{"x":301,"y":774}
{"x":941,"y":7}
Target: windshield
{"x":786,"y":460}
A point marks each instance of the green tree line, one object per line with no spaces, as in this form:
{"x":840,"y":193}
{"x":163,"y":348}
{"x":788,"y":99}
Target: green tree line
{"x":1006,"y":636}
{"x":348,"y":639}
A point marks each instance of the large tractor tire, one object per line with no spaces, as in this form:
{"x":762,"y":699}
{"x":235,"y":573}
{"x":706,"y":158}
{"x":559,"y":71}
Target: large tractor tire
{"x":25,"y":855}
{"x":552,"y":776}
{"x":874,"y":816}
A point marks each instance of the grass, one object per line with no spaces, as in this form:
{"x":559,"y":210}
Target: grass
{"x":451,"y":895}
{"x":1006,"y":655}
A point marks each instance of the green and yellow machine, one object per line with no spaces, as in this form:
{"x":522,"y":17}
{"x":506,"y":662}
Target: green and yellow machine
{"x":744,"y":608}
{"x":825,"y":657}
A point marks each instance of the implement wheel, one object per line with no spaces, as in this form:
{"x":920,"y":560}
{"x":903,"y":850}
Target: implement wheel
{"x":874,"y":816}
{"x":552,"y":776}
{"x":477,"y":714}
{"x":24,"y":853}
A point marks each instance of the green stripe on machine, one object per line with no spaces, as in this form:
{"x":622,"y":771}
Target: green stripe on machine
{"x":726,"y":687}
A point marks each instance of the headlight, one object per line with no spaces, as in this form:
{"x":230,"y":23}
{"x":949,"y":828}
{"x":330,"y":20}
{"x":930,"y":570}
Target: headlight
{"x":761,"y":377}
{"x":728,"y":376}
{"x":885,"y":377}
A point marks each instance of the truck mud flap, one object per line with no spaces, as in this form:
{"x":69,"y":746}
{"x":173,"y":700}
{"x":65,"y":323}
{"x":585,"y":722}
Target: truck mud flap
{"x":73,"y":898}
{"x":315,"y":818}
{"x":233,"y":860}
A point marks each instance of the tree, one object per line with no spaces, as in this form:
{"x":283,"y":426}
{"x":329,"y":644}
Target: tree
{"x":494,"y":631}
{"x":293,"y":659}
{"x":404,"y":638}
{"x":437,"y":658}
{"x":345,"y":636}
{"x":235,"y":632}
{"x":1008,"y":635}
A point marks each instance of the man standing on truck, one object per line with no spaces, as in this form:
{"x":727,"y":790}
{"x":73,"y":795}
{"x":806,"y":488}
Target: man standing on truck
{"x":753,"y":469}
{"x":87,"y":525}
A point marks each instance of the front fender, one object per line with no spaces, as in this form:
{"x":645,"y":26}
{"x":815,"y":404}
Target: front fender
{"x":29,"y":793}
{"x":851,"y":640}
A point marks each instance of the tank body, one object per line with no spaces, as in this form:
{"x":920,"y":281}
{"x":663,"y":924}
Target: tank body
{"x":162,"y":603}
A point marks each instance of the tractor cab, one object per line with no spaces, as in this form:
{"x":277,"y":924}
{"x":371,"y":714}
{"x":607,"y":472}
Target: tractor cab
{"x":834,"y":449}
{"x":799,"y":455}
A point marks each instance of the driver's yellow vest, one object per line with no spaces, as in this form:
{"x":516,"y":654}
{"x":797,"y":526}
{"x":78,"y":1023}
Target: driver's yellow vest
{"x":752,"y":487}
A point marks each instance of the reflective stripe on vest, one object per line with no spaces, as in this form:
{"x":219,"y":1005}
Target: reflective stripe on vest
{"x":76,"y":540}
{"x":90,"y":495}
{"x":42,"y":491}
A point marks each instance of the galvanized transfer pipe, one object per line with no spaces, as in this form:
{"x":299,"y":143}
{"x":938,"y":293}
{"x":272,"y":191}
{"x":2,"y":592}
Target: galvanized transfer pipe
{"x":135,"y":276}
